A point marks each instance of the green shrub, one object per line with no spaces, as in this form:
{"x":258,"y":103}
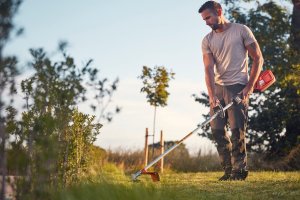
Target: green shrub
{"x":292,"y":161}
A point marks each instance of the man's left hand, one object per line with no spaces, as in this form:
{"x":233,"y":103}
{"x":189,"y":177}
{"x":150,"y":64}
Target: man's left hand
{"x":246,"y":92}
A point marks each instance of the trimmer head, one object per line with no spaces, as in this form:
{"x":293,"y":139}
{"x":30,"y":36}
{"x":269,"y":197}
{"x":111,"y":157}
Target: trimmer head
{"x":154,"y":175}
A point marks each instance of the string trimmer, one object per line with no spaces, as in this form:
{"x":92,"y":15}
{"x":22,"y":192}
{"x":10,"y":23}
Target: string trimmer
{"x":219,"y":111}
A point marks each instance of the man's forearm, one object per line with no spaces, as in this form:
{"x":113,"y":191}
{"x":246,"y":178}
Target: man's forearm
{"x":258,"y":60}
{"x":210,"y":82}
{"x":255,"y":71}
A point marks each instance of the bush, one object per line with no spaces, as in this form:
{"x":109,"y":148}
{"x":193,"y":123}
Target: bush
{"x":292,"y":161}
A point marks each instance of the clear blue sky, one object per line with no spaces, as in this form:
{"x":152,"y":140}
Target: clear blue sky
{"x":121,"y":37}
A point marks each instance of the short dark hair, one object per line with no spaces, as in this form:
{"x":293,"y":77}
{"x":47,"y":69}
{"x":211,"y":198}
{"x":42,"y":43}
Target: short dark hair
{"x":210,"y":5}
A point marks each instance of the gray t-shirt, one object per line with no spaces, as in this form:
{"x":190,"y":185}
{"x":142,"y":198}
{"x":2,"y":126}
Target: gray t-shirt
{"x":230,"y":54}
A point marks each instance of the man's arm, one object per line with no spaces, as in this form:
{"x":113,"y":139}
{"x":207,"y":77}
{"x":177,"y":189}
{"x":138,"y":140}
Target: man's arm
{"x":210,"y":77}
{"x":256,"y":55}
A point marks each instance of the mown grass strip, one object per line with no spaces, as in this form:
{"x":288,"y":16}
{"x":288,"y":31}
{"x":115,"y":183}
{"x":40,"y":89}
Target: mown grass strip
{"x":259,"y":185}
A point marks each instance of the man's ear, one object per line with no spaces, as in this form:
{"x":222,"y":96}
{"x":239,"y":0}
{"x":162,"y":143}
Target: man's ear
{"x":219,"y":12}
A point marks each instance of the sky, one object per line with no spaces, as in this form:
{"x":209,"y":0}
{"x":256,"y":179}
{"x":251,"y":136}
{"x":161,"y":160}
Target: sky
{"x":121,"y":37}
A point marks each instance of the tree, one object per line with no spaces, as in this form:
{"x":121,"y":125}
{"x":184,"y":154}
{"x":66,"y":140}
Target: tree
{"x":274,"y":115}
{"x":156,"y":82}
{"x":8,"y":72}
{"x":42,"y":144}
{"x":55,"y":135}
{"x":295,"y":31}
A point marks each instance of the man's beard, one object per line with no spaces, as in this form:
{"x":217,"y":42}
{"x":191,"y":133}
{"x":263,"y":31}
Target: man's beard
{"x":214,"y":26}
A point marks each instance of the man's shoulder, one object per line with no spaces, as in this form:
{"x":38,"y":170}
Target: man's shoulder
{"x":208,"y":36}
{"x":240,"y":26}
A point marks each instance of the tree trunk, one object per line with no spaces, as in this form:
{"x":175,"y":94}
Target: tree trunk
{"x":65,"y":159}
{"x":153,"y":131}
{"x":30,"y":154}
{"x":30,"y":148}
{"x":296,"y":26}
{"x":3,"y":161}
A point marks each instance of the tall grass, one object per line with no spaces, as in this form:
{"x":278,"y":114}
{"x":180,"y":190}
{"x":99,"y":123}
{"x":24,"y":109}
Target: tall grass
{"x":126,"y":159}
{"x":178,"y":160}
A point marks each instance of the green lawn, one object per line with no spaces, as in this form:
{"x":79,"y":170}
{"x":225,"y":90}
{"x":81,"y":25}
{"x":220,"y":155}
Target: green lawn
{"x":259,"y":185}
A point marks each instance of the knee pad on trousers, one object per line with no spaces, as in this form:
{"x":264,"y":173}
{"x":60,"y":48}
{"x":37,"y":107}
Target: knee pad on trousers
{"x":222,"y":139}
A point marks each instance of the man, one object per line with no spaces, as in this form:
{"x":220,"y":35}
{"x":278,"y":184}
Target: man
{"x":225,"y":55}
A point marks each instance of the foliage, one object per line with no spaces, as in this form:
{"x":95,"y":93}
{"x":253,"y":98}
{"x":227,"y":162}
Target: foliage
{"x":274,"y":115}
{"x":8,"y":10}
{"x":103,"y":92}
{"x":55,"y":138}
{"x":98,"y":157}
{"x":50,"y":145}
{"x":103,"y":97}
{"x":79,"y":138}
{"x":204,"y":99}
{"x":47,"y":127}
{"x":292,"y":162}
{"x":156,"y":81}
{"x":8,"y":72}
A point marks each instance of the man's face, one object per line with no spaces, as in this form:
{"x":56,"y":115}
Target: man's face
{"x":211,"y":18}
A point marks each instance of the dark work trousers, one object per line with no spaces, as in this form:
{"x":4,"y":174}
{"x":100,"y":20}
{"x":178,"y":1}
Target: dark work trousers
{"x":232,"y":151}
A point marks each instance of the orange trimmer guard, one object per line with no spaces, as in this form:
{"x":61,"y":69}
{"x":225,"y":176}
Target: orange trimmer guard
{"x":154,"y":175}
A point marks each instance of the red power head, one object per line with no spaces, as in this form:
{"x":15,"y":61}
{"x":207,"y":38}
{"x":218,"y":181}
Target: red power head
{"x":265,"y":80}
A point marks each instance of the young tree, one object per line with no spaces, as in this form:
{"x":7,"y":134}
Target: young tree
{"x":156,"y":82}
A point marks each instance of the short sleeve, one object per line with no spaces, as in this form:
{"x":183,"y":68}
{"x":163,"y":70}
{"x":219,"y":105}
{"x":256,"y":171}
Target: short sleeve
{"x":205,"y":46}
{"x":248,"y":36}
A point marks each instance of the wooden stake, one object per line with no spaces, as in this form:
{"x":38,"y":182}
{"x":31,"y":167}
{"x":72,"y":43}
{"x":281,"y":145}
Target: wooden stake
{"x":146,"y":147}
{"x":161,"y":151}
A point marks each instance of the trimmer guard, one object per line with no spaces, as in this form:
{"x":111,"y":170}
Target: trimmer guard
{"x":154,"y":175}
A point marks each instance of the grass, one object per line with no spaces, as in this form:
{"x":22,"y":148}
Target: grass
{"x":117,"y":186}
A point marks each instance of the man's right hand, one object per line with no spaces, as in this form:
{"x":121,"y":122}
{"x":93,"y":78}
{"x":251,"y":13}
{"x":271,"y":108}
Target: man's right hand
{"x":214,"y":101}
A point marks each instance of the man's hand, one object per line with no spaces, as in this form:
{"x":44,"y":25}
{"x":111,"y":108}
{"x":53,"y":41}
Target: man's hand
{"x":214,"y":101}
{"x":246,"y":92}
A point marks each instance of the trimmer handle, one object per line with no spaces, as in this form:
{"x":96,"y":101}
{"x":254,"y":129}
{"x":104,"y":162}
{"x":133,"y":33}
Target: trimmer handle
{"x":219,"y":108}
{"x":236,"y":100}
